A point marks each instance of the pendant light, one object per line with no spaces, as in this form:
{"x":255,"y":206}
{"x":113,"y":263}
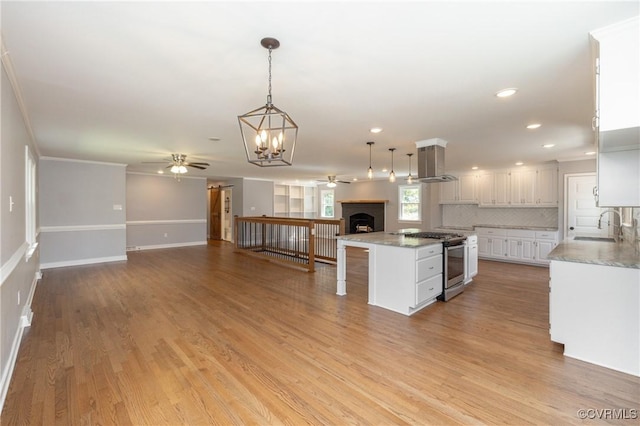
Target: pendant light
{"x":410,"y":178}
{"x":269,"y":131}
{"x":370,"y":172}
{"x":392,"y":175}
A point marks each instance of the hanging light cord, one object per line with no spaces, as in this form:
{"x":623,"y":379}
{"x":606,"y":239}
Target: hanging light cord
{"x":269,"y":95}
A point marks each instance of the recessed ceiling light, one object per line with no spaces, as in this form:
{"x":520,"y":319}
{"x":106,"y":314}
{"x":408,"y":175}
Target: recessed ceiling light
{"x":534,"y":126}
{"x":548,"y":145}
{"x":160,"y":172}
{"x":375,"y":130}
{"x":474,"y":168}
{"x":355,"y":179}
{"x":385,"y":170}
{"x":519,"y":163}
{"x":214,"y":139}
{"x":590,"y":153}
{"x":505,"y":93}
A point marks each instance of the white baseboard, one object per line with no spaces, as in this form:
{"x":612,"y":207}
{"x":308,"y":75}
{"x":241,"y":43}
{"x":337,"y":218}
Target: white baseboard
{"x":25,"y":321}
{"x":79,"y":262}
{"x":172,"y":245}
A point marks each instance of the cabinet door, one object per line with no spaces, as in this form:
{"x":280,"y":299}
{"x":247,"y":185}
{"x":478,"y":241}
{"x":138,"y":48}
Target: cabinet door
{"x":542,"y":249}
{"x":485,"y":189}
{"x":467,"y":188}
{"x":522,"y":187}
{"x":547,"y":187}
{"x":528,"y":250}
{"x":483,"y":246}
{"x":448,"y":192}
{"x":501,"y":188}
{"x":498,"y":247}
{"x":514,"y":249}
{"x":472,"y":261}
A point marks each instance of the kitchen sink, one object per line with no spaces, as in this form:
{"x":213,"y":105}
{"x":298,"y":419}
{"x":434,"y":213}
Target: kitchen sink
{"x":601,"y":239}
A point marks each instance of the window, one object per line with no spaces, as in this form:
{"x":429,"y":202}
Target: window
{"x":30,"y":202}
{"x":409,"y":202}
{"x":327,"y":208}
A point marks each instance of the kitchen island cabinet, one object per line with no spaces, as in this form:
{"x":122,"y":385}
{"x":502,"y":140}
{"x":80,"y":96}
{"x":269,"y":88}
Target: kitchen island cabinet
{"x":405,"y":274}
{"x":594,"y":303}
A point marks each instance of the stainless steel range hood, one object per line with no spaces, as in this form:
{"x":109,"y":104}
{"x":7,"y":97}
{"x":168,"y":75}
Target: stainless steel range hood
{"x":431,"y":161}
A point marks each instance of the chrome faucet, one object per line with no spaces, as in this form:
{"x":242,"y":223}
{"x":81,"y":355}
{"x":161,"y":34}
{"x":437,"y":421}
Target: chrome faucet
{"x":619,"y":218}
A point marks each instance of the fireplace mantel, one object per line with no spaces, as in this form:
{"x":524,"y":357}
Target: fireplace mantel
{"x":363,"y":201}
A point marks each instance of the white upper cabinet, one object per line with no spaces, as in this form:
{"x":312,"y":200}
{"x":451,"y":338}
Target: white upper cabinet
{"x":462,"y":191}
{"x":522,"y":187}
{"x":494,"y":188}
{"x":547,"y":187}
{"x":619,"y":67}
{"x":617,"y":116}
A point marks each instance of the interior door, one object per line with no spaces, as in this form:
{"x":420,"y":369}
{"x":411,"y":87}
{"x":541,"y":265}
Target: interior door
{"x":582,"y":214}
{"x":214,"y":221}
{"x":226,"y":210}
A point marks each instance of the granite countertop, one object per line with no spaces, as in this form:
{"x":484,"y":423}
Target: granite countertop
{"x":597,"y":253}
{"x":533,"y":228}
{"x":456,"y":228}
{"x":389,"y":239}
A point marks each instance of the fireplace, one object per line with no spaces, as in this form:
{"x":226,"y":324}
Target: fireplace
{"x":361,"y":222}
{"x":362,"y":216}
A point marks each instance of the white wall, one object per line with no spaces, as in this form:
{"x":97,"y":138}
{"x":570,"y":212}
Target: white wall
{"x":18,"y":274}
{"x":82,"y":212}
{"x":165,"y":212}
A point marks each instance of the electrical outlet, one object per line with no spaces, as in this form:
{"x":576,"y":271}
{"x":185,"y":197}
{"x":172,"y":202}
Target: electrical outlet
{"x":166,"y":235}
{"x":11,"y":203}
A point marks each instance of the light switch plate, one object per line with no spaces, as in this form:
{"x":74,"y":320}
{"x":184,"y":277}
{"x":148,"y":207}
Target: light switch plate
{"x":117,"y":206}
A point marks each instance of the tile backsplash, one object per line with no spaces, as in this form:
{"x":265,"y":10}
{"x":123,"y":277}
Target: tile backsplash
{"x":631,"y":234}
{"x":465,"y":215}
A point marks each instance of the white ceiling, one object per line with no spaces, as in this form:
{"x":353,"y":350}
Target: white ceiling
{"x":130,"y":82}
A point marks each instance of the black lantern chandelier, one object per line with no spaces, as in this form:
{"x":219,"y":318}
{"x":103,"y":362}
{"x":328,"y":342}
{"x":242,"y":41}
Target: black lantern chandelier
{"x":268,"y":133}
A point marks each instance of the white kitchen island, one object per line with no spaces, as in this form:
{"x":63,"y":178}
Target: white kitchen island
{"x":594,"y":303}
{"x":405,"y":274}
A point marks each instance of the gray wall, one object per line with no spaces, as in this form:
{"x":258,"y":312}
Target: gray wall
{"x":18,"y":272}
{"x":257,"y":197}
{"x":82,"y":212}
{"x":165,"y":212}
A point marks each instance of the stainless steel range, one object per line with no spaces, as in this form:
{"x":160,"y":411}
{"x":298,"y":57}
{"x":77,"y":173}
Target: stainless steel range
{"x":452,"y":261}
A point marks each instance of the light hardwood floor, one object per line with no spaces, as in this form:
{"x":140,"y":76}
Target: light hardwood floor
{"x":200,"y":335}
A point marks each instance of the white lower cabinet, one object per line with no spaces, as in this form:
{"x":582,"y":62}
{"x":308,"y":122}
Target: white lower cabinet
{"x":516,"y":245}
{"x":406,"y":279}
{"x":471,"y":256}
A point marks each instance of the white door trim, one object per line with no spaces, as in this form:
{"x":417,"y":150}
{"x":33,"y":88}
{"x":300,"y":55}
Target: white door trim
{"x":565,"y":231}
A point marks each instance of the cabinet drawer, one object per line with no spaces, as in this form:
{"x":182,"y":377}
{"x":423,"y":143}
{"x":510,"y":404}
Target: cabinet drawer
{"x":521,"y":233}
{"x":546,"y":235}
{"x":428,"y":251}
{"x":492,"y":232}
{"x":472,"y":239}
{"x":428,"y":289}
{"x":428,"y":267}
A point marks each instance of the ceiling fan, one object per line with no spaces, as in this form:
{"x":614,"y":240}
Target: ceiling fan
{"x":178,"y":164}
{"x":333,"y":182}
